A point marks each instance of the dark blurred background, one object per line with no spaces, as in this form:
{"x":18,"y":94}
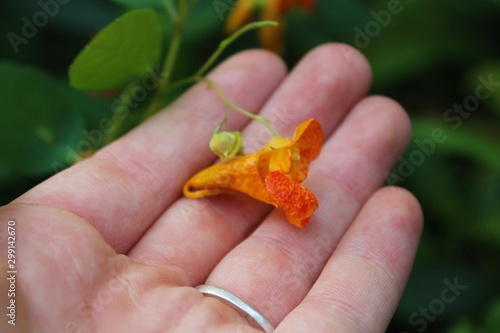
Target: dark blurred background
{"x":439,"y":59}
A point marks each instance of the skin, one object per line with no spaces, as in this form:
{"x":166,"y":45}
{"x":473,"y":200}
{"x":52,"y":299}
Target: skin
{"x":109,"y":245}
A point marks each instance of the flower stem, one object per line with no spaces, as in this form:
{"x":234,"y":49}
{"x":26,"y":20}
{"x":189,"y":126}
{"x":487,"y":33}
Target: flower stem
{"x":226,"y":42}
{"x":168,"y":66}
{"x":222,"y":46}
{"x":165,"y":86}
{"x":229,"y":104}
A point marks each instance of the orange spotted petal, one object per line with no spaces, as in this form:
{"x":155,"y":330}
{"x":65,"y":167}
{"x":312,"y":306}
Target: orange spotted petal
{"x":308,"y":138}
{"x":299,"y":170}
{"x":297,"y":202}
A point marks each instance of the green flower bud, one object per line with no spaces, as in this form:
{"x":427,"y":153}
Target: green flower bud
{"x":226,"y":145}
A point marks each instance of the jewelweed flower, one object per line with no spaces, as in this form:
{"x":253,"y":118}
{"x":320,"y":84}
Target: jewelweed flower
{"x":270,"y":38}
{"x":272,"y":174}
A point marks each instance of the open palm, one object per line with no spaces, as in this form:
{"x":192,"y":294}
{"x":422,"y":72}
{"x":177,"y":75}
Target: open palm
{"x":109,"y":245}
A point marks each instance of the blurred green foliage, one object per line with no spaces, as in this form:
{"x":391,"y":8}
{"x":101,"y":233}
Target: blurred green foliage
{"x":439,"y":59}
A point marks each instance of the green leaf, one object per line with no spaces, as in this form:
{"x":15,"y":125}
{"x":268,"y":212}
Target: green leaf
{"x":126,"y":49}
{"x":37,"y":122}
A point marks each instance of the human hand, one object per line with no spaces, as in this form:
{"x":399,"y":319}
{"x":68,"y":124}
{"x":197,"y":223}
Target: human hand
{"x":109,"y":245}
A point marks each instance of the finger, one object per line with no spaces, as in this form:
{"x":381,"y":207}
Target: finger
{"x":123,"y":188}
{"x":275,"y":267}
{"x":360,"y":287}
{"x":193,"y":236}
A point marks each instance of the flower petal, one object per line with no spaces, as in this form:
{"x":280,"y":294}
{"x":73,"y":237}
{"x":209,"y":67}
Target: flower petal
{"x":297,"y":202}
{"x":271,"y":38}
{"x":240,"y":14}
{"x":281,"y":160}
{"x":238,"y":174}
{"x":308,"y":138}
{"x":299,"y":170}
{"x":278,"y":142}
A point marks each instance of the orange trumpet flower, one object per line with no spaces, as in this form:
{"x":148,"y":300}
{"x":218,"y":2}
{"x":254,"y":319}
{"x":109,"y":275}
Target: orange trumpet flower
{"x":271,"y":175}
{"x":271,"y":38}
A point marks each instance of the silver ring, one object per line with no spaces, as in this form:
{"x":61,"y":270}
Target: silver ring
{"x":254,"y":317}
